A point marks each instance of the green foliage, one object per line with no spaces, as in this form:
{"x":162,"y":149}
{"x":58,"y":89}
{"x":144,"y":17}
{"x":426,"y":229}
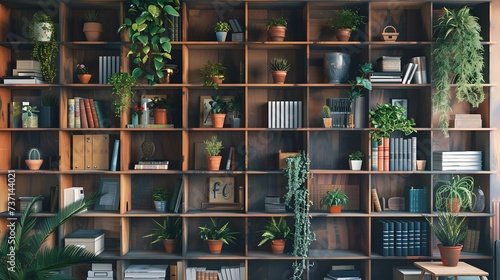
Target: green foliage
{"x":217,"y":105}
{"x":45,"y":51}
{"x":165,"y":230}
{"x":216,"y":231}
{"x":275,"y":230}
{"x":277,"y":22}
{"x":334,"y":197}
{"x":91,"y":16}
{"x":38,"y":18}
{"x":33,"y":262}
{"x":297,"y":196}
{"x":122,"y":87}
{"x":222,"y":26}
{"x":450,"y":229}
{"x":457,"y":54}
{"x":150,"y":46}
{"x":326,"y":111}
{"x":357,"y":155}
{"x":161,"y":194}
{"x":362,"y":81}
{"x":213,"y":146}
{"x":235,"y":105}
{"x":388,"y":118}
{"x":34,"y":154}
{"x":210,"y":70}
{"x":456,"y":188}
{"x":159,"y":103}
{"x":347,"y":19}
{"x":279,"y":64}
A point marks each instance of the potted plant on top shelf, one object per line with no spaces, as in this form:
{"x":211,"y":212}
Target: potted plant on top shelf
{"x":213,"y":146}
{"x":221,"y":28}
{"x":160,"y":197}
{"x":276,"y":29}
{"x":168,"y":233}
{"x":213,"y":74}
{"x":216,"y":235}
{"x":160,"y":107}
{"x":334,"y":200}
{"x":277,"y":233}
{"x":356,"y":160}
{"x":279,"y":68}
{"x":42,"y":30}
{"x":454,"y":194}
{"x":92,"y":28}
{"x":345,"y":21}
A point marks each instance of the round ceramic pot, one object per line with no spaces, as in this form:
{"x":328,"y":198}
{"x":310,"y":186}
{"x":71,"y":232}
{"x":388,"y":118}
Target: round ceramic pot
{"x":337,"y":66}
{"x":92,"y":30}
{"x":221,"y":36}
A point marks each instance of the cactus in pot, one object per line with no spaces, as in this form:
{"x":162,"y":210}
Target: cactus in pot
{"x":34,"y":159}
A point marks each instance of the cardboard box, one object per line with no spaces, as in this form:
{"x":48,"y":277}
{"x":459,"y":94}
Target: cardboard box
{"x":91,"y":240}
{"x":90,"y":152}
{"x":466,"y":121}
{"x":25,"y":200}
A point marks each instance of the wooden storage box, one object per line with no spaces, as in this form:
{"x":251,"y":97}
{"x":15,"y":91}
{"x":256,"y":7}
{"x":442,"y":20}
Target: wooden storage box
{"x":91,"y":240}
{"x":25,"y":200}
{"x":389,"y":63}
{"x":283,"y":155}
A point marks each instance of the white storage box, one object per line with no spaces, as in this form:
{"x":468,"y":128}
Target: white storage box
{"x":25,"y":200}
{"x":408,"y":273}
{"x":466,"y":121}
{"x":91,"y":240}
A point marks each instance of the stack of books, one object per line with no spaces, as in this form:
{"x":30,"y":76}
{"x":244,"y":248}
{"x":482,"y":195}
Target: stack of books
{"x":343,"y":272}
{"x":146,"y":271}
{"x":26,"y":72}
{"x":101,"y":271}
{"x":152,"y":165}
{"x":397,"y":237}
{"x":87,"y":113}
{"x":409,"y":71}
{"x":340,"y":109}
{"x":237,"y":29}
{"x":386,"y":77}
{"x":273,"y":205}
{"x":457,"y":160}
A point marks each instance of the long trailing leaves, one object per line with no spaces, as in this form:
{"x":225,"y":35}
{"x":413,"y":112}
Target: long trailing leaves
{"x":450,"y":229}
{"x":457,"y":54}
{"x":460,"y":188}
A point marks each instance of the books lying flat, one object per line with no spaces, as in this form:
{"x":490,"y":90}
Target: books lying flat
{"x":150,"y":126}
{"x":457,"y":160}
{"x":146,"y":271}
{"x":151,"y":166}
{"x":28,"y":80}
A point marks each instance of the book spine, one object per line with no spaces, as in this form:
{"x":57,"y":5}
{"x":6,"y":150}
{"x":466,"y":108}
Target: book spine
{"x":405,"y":155}
{"x":398,"y":241}
{"x":408,"y":154}
{"x":374,"y":155}
{"x":391,"y":154}
{"x":404,"y":238}
{"x":114,"y":157}
{"x":99,"y":112}
{"x":414,"y":153}
{"x":396,"y":154}
{"x":71,"y":113}
{"x":423,"y":238}
{"x":229,"y":158}
{"x":376,"y":202}
{"x":94,"y":113}
{"x":88,"y":112}
{"x":83,"y":114}
{"x":16,"y":114}
{"x":78,"y":121}
{"x":386,"y":153}
{"x":411,"y":238}
{"x":380,"y":156}
{"x":416,"y":237}
{"x":101,"y":70}
{"x":391,"y":237}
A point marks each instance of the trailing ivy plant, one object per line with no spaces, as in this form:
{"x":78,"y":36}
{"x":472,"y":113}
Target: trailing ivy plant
{"x":458,"y":55}
{"x":44,"y":51}
{"x":388,"y":118}
{"x":297,"y":197}
{"x":122,"y":87}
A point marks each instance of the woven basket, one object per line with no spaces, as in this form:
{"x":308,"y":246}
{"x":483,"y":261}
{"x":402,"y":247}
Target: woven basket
{"x":390,"y":36}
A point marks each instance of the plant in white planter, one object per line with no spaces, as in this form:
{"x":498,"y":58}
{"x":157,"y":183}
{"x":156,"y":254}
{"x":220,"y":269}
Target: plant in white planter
{"x":356,"y":160}
{"x":42,"y":30}
{"x":221,"y":28}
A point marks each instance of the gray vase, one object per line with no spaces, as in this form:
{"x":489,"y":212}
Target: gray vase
{"x":337,"y":66}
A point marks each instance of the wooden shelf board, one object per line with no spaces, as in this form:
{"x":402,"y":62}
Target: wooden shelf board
{"x":18,"y":214}
{"x":341,"y":254}
{"x":149,"y":255}
{"x":205,"y":255}
{"x":99,"y":214}
{"x":268,"y":255}
{"x":148,"y":213}
{"x":226,"y":214}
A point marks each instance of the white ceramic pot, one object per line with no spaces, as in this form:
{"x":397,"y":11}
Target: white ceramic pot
{"x":355,"y":164}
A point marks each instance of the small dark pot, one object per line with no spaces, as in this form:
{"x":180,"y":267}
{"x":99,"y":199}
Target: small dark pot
{"x":48,"y":117}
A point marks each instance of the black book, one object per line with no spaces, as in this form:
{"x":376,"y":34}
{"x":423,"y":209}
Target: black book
{"x":381,"y":237}
{"x":404,"y":238}
{"x":411,"y":238}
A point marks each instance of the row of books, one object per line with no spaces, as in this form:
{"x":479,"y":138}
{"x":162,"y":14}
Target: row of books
{"x":457,"y":160}
{"x":394,"y":154}
{"x":146,"y":271}
{"x":397,"y":237}
{"x":284,"y":114}
{"x":152,"y":165}
{"x":416,"y":200}
{"x":108,"y":65}
{"x":225,"y":273}
{"x":340,"y":109}
{"x":413,"y":72}
{"x":273,"y":205}
{"x":101,"y":271}
{"x":386,"y":77}
{"x":87,"y":113}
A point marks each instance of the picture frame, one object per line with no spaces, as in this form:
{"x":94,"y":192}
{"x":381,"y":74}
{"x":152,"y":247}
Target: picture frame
{"x":401,"y":102}
{"x":205,"y":120}
{"x":110,"y":200}
{"x":221,"y":190}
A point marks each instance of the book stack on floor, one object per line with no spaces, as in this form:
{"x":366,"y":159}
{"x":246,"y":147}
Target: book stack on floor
{"x":343,"y":272}
{"x":273,"y":205}
{"x":457,"y":160}
{"x":394,"y":154}
{"x":225,"y":273}
{"x":386,"y":77}
{"x":340,"y":109}
{"x":87,"y":113}
{"x":26,"y":72}
{"x":146,"y":271}
{"x":101,"y":271}
{"x":398,"y":237}
{"x":152,"y":165}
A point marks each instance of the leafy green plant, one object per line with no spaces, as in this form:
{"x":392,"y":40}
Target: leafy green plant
{"x":217,"y":105}
{"x":122,"y":87}
{"x":159,"y":103}
{"x":46,"y":24}
{"x":165,"y":230}
{"x":150,"y":46}
{"x":357,"y":155}
{"x":44,"y":51}
{"x":235,"y":105}
{"x":91,"y":16}
{"x":347,"y":19}
{"x":275,"y":230}
{"x":216,"y":231}
{"x":334,"y":197}
{"x":279,"y":64}
{"x":161,"y":194}
{"x":361,"y":82}
{"x":450,"y":229}
{"x":460,"y":188}
{"x":221,"y":26}
{"x":388,"y":118}
{"x":281,"y":21}
{"x":327,"y":111}
{"x":209,"y":70}
{"x":213,"y":146}
{"x":457,"y":55}
{"x":34,"y":154}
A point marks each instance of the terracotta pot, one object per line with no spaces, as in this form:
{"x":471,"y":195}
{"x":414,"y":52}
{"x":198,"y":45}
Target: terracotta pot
{"x":327,"y":122}
{"x":170,"y":245}
{"x":343,"y":35}
{"x":279,"y":77}
{"x":218,"y":120}
{"x":215,"y":246}
{"x":84,"y":78}
{"x":450,"y":254}
{"x":334,"y":209}
{"x":160,"y":116}
{"x":92,"y":30}
{"x":34,"y":164}
{"x":278,"y":246}
{"x":453,"y":205}
{"x":276,"y":33}
{"x":218,"y":79}
{"x":213,"y":162}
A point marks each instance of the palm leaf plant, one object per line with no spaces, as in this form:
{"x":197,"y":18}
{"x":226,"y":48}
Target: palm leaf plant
{"x":217,"y":231}
{"x":334,"y":197}
{"x":275,"y":230}
{"x":165,"y":230}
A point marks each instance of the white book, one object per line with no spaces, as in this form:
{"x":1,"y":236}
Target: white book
{"x":23,"y":81}
{"x":286,"y":114}
{"x":146,"y":270}
{"x":242,"y":271}
{"x":105,"y":278}
{"x":269,"y":112}
{"x":299,"y":115}
{"x":108,"y":68}
{"x":100,"y":273}
{"x":407,"y":70}
{"x":423,"y":69}
{"x":101,"y":70}
{"x":412,"y":75}
{"x":282,"y":114}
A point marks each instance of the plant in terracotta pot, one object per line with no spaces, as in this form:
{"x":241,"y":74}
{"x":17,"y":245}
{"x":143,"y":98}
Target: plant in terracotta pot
{"x":83,"y":73}
{"x":160,"y":197}
{"x":213,"y":74}
{"x":345,"y":21}
{"x":221,"y":28}
{"x":42,"y":30}
{"x":216,"y":235}
{"x":160,"y":107}
{"x":276,"y":232}
{"x":279,"y":68}
{"x":122,"y":83}
{"x":34,"y":159}
{"x":356,"y":160}
{"x":335,"y":199}
{"x":327,"y":117}
{"x":455,"y":194}
{"x":213,"y":146}
{"x":235,"y":105}
{"x":168,"y":233}
{"x":218,"y":109}
{"x":276,"y":29}
{"x":92,"y":28}
{"x":450,"y":230}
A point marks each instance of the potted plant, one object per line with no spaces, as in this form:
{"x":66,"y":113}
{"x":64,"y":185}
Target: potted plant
{"x":277,"y":233}
{"x":276,"y":29}
{"x":279,"y":68}
{"x":42,"y":30}
{"x":122,"y":83}
{"x":221,"y":28}
{"x":458,"y":57}
{"x":235,"y":106}
{"x":213,"y":74}
{"x":83,"y":73}
{"x":450,"y":230}
{"x":389,"y":118}
{"x":92,"y":28}
{"x":150,"y":45}
{"x":334,"y":200}
{"x":30,"y":116}
{"x":345,"y":21}
{"x":213,"y":146}
{"x":160,"y":106}
{"x":454,"y":194}
{"x":327,"y":117}
{"x":218,"y":108}
{"x":356,"y":160}
{"x":168,"y":233}
{"x":49,"y":111}
{"x":216,"y":235}
{"x":362,"y":82}
{"x":160,"y":197}
{"x":34,"y":159}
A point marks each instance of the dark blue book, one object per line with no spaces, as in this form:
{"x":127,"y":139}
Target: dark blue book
{"x":380,"y":237}
{"x":391,"y":154}
{"x":423,"y":238}
{"x":411,"y":238}
{"x":404,"y":238}
{"x":391,"y":237}
{"x":410,"y":200}
{"x":398,"y":238}
{"x":417,"y":236}
{"x":400,"y":157}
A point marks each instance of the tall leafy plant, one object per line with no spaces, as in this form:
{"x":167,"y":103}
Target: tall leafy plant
{"x":458,"y":56}
{"x":389,"y":118}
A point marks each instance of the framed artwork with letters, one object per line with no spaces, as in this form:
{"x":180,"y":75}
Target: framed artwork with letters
{"x":221,"y":190}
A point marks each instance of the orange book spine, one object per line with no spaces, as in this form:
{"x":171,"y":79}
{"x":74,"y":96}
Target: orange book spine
{"x":380,"y":156}
{"x":90,"y":120}
{"x":386,"y":153}
{"x":94,"y":113}
{"x":83,"y":114}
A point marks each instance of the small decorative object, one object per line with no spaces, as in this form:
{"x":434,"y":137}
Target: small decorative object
{"x":34,"y":159}
{"x":91,"y":27}
{"x":83,"y":74}
{"x":221,"y":190}
{"x":160,"y":107}
{"x":29,"y":117}
{"x":421,"y":164}
{"x":235,"y":105}
{"x":337,"y":66}
{"x":160,"y":197}
{"x":148,"y":150}
{"x":276,"y":29}
{"x":450,"y":229}
{"x":49,"y":111}
{"x":213,"y":74}
{"x":335,"y":199}
{"x":221,"y":28}
{"x":455,"y":194}
{"x":168,"y":71}
{"x":110,"y":200}
{"x":390,"y":36}
{"x":279,"y":68}
{"x":213,"y":146}
{"x":277,"y":233}
{"x":136,"y":113}
{"x":216,"y":235}
{"x":327,"y":118}
{"x":356,"y":160}
{"x":218,"y":108}
{"x":389,"y":63}
{"x":401,"y":102}
{"x":168,"y":233}
{"x":345,"y":21}
{"x":478,"y":202}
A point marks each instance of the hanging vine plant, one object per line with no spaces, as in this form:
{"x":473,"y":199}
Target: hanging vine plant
{"x":458,"y":57}
{"x":297,"y":197}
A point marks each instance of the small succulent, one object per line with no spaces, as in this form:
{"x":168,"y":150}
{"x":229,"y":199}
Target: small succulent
{"x":357,"y":155}
{"x":279,"y":64}
{"x":222,"y":26}
{"x":34,"y":154}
